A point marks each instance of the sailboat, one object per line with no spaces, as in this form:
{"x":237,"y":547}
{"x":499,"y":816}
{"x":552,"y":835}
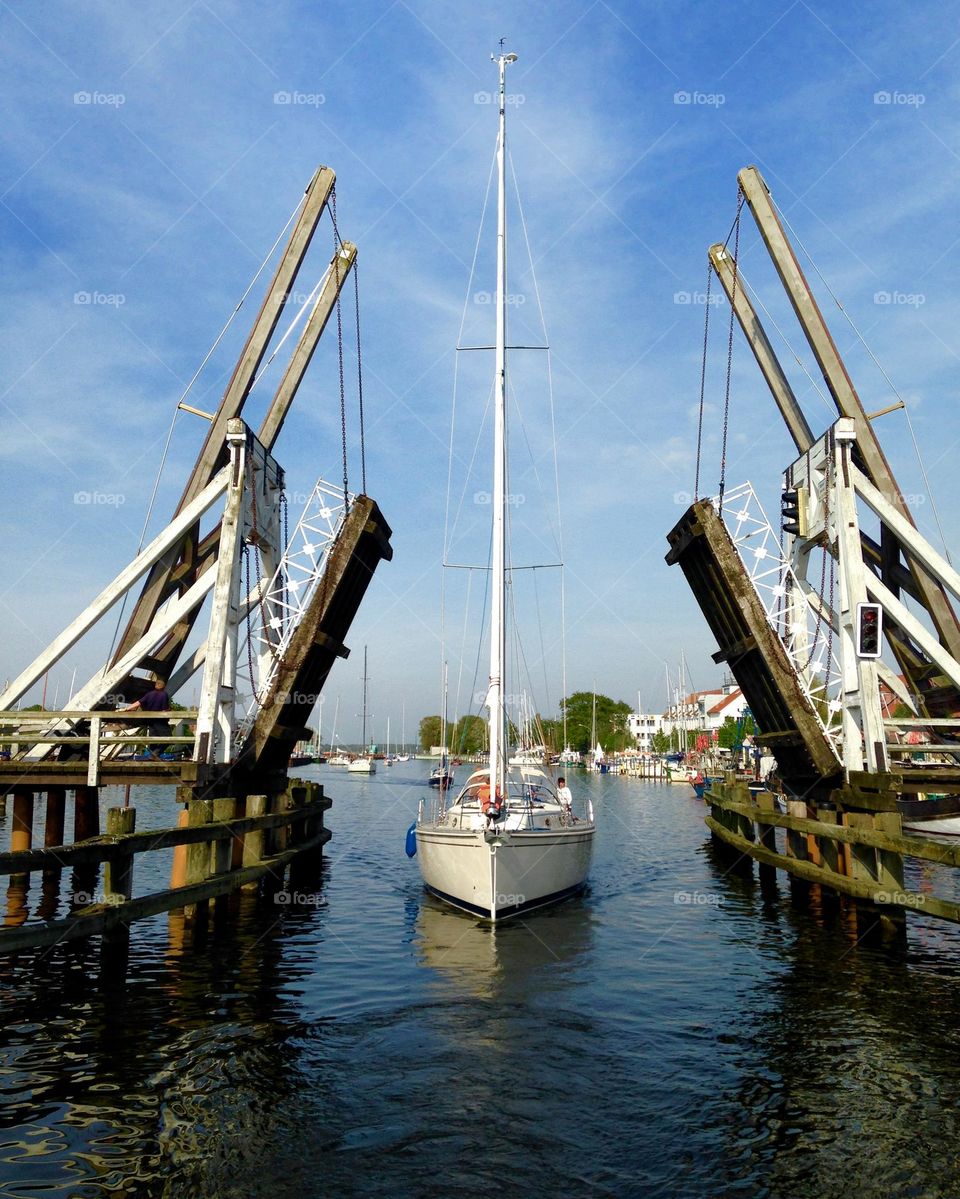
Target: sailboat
{"x":336,"y":757}
{"x":506,"y":843}
{"x":364,"y":763}
{"x":442,"y":775}
{"x":403,"y":756}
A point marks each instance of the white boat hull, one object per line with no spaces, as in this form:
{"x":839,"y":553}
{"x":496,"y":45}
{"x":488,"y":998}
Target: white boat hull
{"x":506,"y":873}
{"x":362,"y":766}
{"x":940,"y":825}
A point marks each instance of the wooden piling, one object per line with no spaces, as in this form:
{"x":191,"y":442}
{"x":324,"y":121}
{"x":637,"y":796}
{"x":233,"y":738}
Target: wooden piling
{"x":178,"y":871}
{"x":86,"y":821}
{"x":198,"y":858}
{"x":21,"y":830}
{"x":118,"y":872}
{"x":54,"y":816}
{"x":221,"y":850}
{"x":253,"y":840}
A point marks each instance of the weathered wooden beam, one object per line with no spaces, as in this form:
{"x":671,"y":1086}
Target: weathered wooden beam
{"x":363,"y":541}
{"x":724,"y":267}
{"x":340,"y":266}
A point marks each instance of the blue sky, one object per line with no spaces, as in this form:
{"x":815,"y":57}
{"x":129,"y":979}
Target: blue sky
{"x":160,"y":193}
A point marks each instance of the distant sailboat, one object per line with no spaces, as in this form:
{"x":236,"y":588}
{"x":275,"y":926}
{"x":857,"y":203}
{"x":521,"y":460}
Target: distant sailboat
{"x":364,"y":763}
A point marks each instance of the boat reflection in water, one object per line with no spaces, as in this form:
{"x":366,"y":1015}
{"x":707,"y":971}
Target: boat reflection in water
{"x":508,"y":960}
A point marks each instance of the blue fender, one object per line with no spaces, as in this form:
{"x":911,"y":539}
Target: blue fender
{"x":411,"y":845}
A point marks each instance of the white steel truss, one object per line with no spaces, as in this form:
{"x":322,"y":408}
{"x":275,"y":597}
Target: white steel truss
{"x":796,"y":613}
{"x":273,"y":619}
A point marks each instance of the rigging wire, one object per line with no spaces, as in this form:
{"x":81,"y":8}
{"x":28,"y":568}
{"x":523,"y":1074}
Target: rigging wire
{"x":363,"y":448}
{"x":453,"y":421}
{"x":553,"y":440}
{"x":889,"y":381}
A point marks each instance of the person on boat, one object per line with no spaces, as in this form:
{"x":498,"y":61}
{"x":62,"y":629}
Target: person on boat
{"x":564,"y":794}
{"x":155,"y":700}
{"x":491,"y":806}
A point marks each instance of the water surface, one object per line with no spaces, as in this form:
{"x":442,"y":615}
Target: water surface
{"x":676,"y":1031}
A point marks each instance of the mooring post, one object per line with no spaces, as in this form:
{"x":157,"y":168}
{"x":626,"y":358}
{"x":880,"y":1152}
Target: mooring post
{"x":767,"y":836}
{"x":200,"y":812}
{"x":221,"y":850}
{"x":253,"y":840}
{"x":237,"y":840}
{"x":55,"y":816}
{"x":21,"y":830}
{"x":118,"y":871}
{"x":86,"y":820}
{"x":831,"y":852}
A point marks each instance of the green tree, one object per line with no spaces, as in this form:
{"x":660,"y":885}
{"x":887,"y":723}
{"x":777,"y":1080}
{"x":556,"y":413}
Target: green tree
{"x":431,"y":728}
{"x":732,"y":732}
{"x":611,"y":721}
{"x":659,"y":742}
{"x":468,"y":736}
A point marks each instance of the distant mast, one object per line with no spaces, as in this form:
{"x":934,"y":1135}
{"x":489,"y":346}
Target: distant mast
{"x":498,"y":560}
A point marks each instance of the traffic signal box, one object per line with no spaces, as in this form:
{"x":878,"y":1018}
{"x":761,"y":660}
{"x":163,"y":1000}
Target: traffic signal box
{"x":869,"y":629}
{"x":793,"y":508}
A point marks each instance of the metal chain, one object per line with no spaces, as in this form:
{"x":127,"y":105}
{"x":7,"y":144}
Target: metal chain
{"x":733,"y":304}
{"x":703,"y":378}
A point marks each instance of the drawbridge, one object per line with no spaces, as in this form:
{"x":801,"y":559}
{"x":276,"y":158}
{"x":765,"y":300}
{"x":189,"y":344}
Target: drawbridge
{"x":853,"y":677}
{"x":223,"y":592}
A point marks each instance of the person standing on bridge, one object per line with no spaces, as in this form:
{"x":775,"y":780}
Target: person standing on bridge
{"x":157,"y":700}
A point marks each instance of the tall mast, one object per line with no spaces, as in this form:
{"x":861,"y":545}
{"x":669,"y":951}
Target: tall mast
{"x":498,"y":563}
{"x":364,"y":698}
